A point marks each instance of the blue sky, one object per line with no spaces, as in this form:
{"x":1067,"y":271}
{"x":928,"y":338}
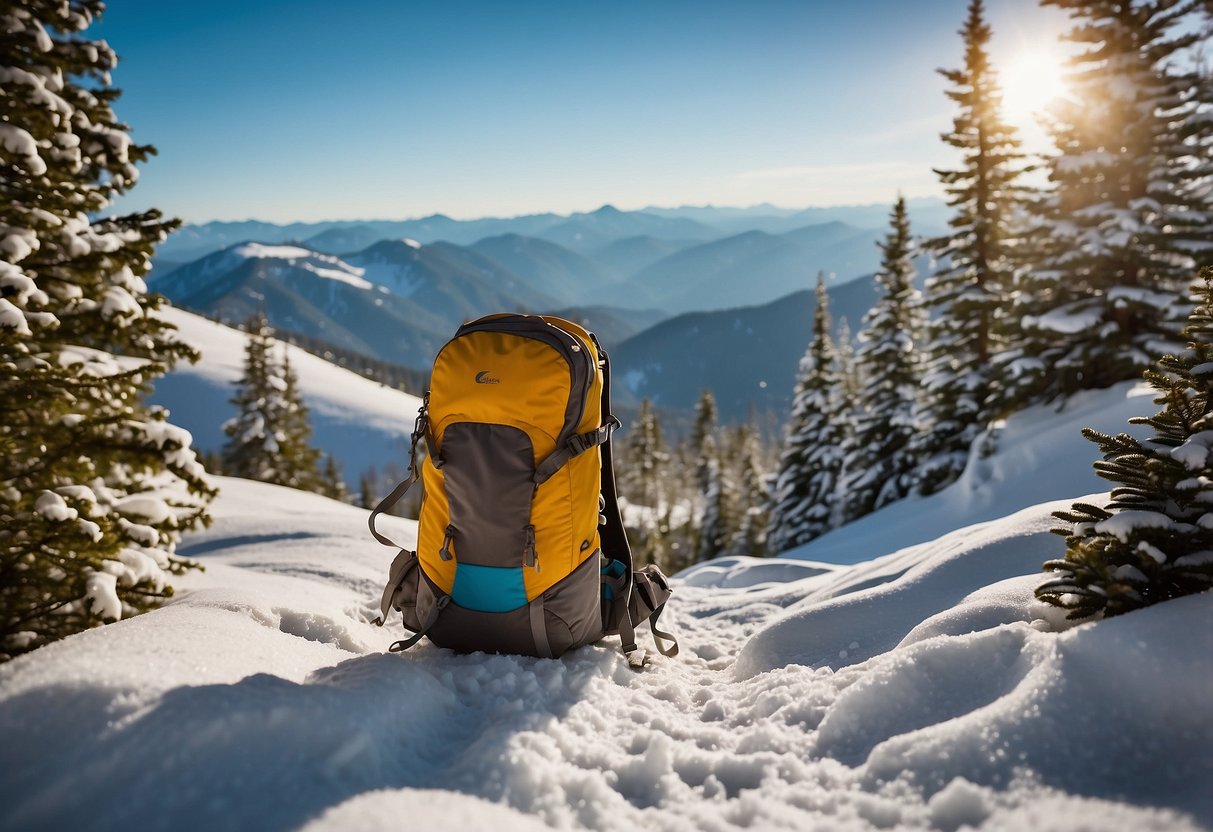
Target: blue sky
{"x":308,"y":110}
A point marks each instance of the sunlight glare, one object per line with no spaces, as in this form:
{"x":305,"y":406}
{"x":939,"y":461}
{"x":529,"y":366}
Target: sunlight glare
{"x":1031,"y":81}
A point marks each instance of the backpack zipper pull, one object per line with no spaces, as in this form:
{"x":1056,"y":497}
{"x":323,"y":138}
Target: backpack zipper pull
{"x":445,"y":551}
{"x":529,"y":556}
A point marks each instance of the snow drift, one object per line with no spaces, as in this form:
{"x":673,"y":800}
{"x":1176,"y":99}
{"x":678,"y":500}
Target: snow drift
{"x":907,"y":692}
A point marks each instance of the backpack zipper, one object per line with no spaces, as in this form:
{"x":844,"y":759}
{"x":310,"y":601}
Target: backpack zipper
{"x":529,"y":556}
{"x":445,"y":551}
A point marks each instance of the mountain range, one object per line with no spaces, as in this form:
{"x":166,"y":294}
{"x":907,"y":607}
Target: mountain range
{"x":681,"y":304}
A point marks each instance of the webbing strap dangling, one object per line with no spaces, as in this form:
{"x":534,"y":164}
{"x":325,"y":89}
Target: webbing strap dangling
{"x":430,"y":620}
{"x":672,"y":650}
{"x":419,"y":428}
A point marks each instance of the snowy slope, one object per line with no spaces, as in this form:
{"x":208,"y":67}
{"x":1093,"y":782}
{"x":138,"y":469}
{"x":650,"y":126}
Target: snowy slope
{"x":914,"y":690}
{"x":904,"y":693}
{"x":360,"y":422}
{"x":1041,"y":456}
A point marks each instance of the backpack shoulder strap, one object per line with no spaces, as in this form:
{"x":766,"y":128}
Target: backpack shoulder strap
{"x":612,"y":534}
{"x":614,"y":537}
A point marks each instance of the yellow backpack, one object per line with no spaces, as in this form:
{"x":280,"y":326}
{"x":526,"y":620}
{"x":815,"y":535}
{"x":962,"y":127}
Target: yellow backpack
{"x":520,"y":544}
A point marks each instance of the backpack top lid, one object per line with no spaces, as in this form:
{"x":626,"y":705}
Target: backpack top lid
{"x":540,"y":374}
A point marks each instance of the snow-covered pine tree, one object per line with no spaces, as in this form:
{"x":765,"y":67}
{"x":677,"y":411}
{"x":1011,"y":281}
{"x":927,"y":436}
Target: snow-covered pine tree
{"x":717,"y":520}
{"x":367,"y":489}
{"x":806,"y":485}
{"x":1130,"y":211}
{"x":1154,"y":541}
{"x":977,"y":271}
{"x":299,"y":465}
{"x":643,"y":484}
{"x":703,"y":437}
{"x":331,"y":482}
{"x":646,"y":460}
{"x":95,"y":486}
{"x":878,"y":460}
{"x":269,"y":438}
{"x":844,"y":357}
{"x":753,"y":501}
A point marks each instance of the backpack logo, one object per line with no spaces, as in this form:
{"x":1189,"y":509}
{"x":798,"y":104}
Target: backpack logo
{"x":483,"y":377}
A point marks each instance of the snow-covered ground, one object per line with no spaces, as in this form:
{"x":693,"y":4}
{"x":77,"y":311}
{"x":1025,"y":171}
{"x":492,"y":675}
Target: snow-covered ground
{"x":359,"y":421}
{"x":909,"y":691}
{"x":1040,"y":456}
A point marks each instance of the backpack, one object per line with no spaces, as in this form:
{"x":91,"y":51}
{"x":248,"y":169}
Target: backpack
{"x":520,"y":544}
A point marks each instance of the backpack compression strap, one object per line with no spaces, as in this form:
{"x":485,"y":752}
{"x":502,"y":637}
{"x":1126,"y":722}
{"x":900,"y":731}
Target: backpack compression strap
{"x":419,"y":429}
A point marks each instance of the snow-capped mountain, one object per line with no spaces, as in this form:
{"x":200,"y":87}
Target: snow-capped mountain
{"x":310,"y":293}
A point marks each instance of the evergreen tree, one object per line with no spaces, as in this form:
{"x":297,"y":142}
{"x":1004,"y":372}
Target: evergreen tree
{"x":95,"y":486}
{"x":1131,"y":208}
{"x":717,"y":521}
{"x":268,"y":439}
{"x":367,"y":489}
{"x":752,"y":497}
{"x":299,"y":462}
{"x":644,"y":471}
{"x":647,"y":459}
{"x":331,"y":481}
{"x":703,"y":437}
{"x":966,"y":294}
{"x":807,"y":482}
{"x":1154,"y":540}
{"x":878,"y":457}
{"x":848,"y":371}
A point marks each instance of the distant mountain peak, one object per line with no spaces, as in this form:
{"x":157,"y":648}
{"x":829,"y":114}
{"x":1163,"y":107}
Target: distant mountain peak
{"x":607,"y":210}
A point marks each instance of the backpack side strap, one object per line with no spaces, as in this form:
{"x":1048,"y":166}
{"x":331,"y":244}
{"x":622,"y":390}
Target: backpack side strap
{"x":387,"y":502}
{"x":420,"y":427}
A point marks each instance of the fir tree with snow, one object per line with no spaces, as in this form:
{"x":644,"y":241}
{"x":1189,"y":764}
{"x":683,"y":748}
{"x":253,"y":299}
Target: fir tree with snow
{"x":806,"y":485}
{"x":643,"y":468}
{"x":646,"y":460}
{"x":717,"y":522}
{"x":978,"y":257}
{"x":95,"y":487}
{"x":1130,"y":212}
{"x":844,"y":359}
{"x":703,"y":442}
{"x":1154,"y":540}
{"x":332,"y":484}
{"x":269,"y":438}
{"x":753,"y":499}
{"x":879,"y":460}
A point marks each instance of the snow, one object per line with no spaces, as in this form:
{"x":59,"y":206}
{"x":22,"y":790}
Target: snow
{"x":1064,"y":322}
{"x":1041,"y":456}
{"x":17,"y":141}
{"x":100,"y":588}
{"x":54,"y":508}
{"x":920,"y":687}
{"x":1124,"y":523}
{"x":321,"y":265}
{"x":360,"y":422}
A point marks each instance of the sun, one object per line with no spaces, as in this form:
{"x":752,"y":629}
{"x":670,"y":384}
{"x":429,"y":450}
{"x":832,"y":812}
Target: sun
{"x":1031,"y":81}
